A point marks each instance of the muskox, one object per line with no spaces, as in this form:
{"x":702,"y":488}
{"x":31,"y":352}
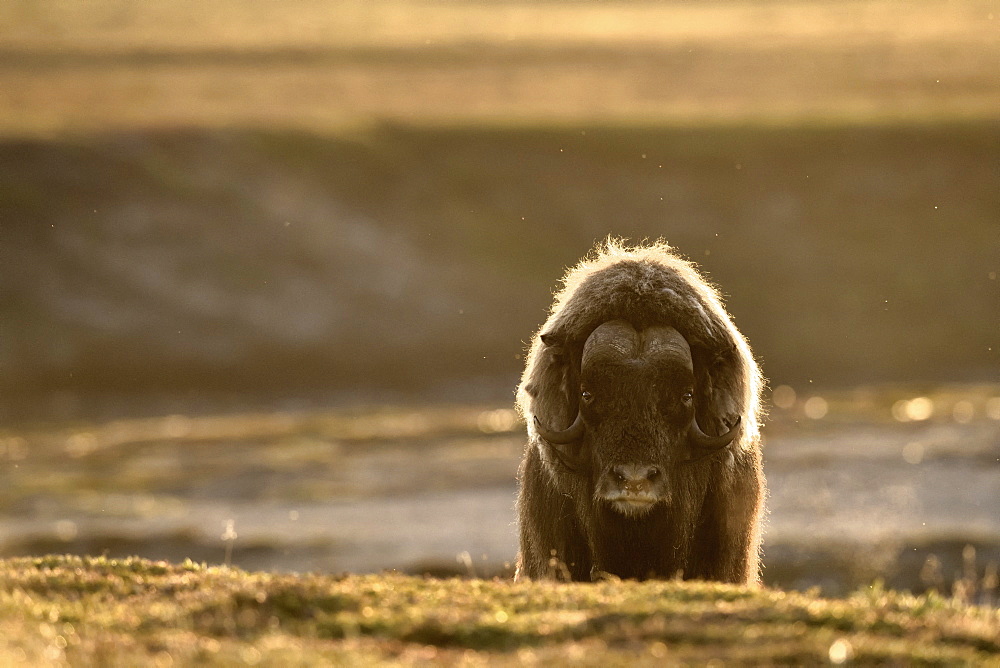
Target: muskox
{"x":642,"y":402}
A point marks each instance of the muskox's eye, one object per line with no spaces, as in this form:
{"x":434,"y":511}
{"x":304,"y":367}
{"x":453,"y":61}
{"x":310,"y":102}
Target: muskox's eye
{"x":687,"y":397}
{"x":586,"y":396}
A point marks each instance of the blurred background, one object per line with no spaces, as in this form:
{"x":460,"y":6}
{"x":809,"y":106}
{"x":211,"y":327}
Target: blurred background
{"x":274,"y":265}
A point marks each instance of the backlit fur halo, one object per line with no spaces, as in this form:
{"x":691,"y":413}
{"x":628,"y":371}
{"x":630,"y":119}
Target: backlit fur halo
{"x":645,"y":284}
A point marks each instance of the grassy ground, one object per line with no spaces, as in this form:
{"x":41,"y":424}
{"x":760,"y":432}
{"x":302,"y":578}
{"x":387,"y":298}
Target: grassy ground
{"x":57,"y":610}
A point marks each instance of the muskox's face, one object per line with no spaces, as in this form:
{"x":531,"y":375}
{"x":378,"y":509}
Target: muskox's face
{"x":636,"y":400}
{"x":636,"y":428}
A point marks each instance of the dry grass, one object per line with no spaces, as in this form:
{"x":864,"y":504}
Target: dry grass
{"x":322,"y":66}
{"x":57,"y":610}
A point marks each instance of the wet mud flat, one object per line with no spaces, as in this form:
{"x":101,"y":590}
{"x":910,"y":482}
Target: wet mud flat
{"x":854,"y":498}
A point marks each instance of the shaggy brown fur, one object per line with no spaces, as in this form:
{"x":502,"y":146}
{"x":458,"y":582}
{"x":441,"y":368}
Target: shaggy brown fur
{"x":710,"y":528}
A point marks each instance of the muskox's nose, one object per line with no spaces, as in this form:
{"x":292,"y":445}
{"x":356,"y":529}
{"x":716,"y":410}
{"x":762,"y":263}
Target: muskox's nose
{"x":636,"y":478}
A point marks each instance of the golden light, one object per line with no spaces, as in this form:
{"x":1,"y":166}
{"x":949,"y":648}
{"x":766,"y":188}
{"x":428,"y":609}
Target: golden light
{"x":913,"y":452}
{"x":919,"y":409}
{"x":66,"y":530}
{"x":816,"y":408}
{"x":783,"y":397}
{"x":963,"y":411}
{"x":841,"y":651}
{"x":81,"y":444}
{"x":500,"y":420}
{"x":913,"y":410}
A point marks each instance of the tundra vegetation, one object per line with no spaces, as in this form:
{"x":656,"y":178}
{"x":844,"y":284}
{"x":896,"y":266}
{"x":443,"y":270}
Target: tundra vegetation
{"x":94,"y":611}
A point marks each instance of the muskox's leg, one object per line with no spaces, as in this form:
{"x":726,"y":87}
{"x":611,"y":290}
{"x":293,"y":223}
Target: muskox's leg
{"x":727,"y":542}
{"x":552,"y":546}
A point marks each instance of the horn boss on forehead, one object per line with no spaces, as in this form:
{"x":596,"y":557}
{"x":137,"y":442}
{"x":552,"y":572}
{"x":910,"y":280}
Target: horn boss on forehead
{"x":618,"y":339}
{"x":642,"y":400}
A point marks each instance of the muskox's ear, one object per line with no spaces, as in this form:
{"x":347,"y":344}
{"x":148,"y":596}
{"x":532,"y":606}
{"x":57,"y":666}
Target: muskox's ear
{"x":553,"y":340}
{"x":718,"y":388}
{"x":553,"y":382}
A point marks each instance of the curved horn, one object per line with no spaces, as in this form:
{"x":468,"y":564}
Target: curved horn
{"x":573,"y":433}
{"x":703,"y":441}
